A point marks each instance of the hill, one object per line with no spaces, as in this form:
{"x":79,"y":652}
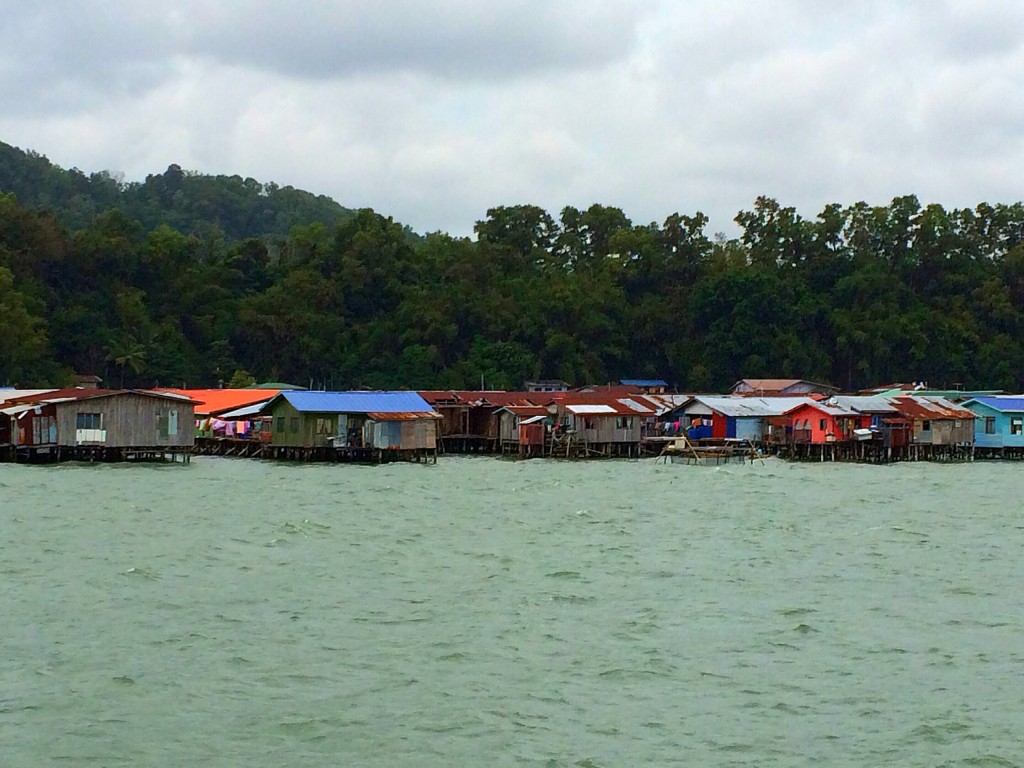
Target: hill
{"x":186,"y":201}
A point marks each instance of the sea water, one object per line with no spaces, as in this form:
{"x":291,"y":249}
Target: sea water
{"x":482,"y":612}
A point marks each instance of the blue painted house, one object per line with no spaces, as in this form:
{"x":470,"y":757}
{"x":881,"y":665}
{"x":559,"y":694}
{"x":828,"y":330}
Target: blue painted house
{"x":999,"y":421}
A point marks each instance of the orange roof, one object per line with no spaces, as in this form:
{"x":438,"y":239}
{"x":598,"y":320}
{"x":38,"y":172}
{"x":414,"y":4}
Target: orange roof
{"x":210,"y":402}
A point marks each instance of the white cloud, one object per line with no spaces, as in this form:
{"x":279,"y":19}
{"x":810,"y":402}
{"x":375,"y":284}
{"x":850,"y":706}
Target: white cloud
{"x":435,"y":111}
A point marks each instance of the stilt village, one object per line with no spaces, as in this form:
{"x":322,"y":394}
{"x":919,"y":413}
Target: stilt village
{"x":759,"y":418}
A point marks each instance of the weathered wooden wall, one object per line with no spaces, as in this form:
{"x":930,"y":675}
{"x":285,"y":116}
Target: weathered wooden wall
{"x":130,"y":421}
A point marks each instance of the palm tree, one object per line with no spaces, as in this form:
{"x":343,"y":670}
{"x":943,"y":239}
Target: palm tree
{"x":127,"y":352}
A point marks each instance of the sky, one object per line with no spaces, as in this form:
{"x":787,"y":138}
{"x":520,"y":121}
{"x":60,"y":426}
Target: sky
{"x":433,"y":112}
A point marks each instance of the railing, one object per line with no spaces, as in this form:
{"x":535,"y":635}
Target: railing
{"x":90,"y":436}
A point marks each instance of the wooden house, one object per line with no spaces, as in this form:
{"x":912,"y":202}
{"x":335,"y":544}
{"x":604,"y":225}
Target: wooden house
{"x":646,"y":386}
{"x":100,"y":424}
{"x":8,"y":426}
{"x":588,"y":424}
{"x":351,"y":425}
{"x":998,"y":425}
{"x":781,"y":388}
{"x":523,"y":428}
{"x":546,"y":386}
{"x":213,"y":405}
{"x":941,"y":428}
{"x":453,"y":411}
{"x":469,"y":419}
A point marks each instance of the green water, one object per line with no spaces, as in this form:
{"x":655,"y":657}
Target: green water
{"x":489,"y":613}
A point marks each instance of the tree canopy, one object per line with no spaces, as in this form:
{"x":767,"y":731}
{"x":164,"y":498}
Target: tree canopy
{"x":191,"y":280}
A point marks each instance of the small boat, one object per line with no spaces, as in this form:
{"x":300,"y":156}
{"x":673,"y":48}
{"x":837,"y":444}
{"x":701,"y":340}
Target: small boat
{"x":710,"y":452}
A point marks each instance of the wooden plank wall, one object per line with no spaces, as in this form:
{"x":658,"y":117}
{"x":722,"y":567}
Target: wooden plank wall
{"x":130,"y":421}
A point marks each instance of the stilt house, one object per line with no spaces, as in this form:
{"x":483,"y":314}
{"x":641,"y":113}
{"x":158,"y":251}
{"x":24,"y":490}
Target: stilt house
{"x":100,"y":424}
{"x":999,"y":423}
{"x":385,"y":421}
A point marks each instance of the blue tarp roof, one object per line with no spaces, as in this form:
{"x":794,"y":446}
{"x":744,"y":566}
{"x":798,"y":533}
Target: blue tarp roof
{"x":357,"y":402}
{"x":1003,"y":404}
{"x":643,"y":382}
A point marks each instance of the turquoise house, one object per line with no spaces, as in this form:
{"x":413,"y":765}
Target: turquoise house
{"x":999,"y":421}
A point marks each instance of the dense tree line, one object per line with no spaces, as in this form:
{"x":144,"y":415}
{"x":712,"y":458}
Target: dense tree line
{"x":859,"y":295}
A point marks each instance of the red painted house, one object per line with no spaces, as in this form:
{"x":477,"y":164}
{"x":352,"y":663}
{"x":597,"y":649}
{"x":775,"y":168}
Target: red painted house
{"x":817,"y":423}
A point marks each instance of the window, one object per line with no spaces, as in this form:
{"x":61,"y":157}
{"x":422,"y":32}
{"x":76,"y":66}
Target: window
{"x":280,"y":423}
{"x":88,"y":421}
{"x":323,"y":426}
{"x":822,"y":425}
{"x":1017,"y":425}
{"x":623,"y":422}
{"x":990,"y":425}
{"x":44,"y":429}
{"x":295,"y":424}
{"x":926,"y":426}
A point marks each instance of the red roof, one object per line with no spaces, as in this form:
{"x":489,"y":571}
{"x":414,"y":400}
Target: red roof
{"x":527,"y":410}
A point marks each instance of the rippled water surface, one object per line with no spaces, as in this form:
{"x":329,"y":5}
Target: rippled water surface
{"x":489,"y":613}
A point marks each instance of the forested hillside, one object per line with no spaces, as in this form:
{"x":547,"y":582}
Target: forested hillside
{"x":186,"y":201}
{"x":147,"y":285}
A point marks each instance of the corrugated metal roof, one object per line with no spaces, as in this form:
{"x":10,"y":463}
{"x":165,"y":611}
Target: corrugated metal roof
{"x":526,"y":410}
{"x":480,"y":398}
{"x":918,"y":407}
{"x":638,"y":407}
{"x":16,"y":410}
{"x":436,"y":396}
{"x":752,"y":407}
{"x":863,"y":403}
{"x":18,"y":394}
{"x":644,"y":382}
{"x":624,"y":406}
{"x":88,"y":393}
{"x":220,"y":401}
{"x":590,"y":409}
{"x":769,"y":383}
{"x":242,"y":413}
{"x":357,"y":402}
{"x":831,"y":410}
{"x":403,"y":416}
{"x":1002,"y":403}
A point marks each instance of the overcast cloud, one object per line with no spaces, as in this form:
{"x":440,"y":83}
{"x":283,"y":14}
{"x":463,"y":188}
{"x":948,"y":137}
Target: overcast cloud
{"x":433,"y":112}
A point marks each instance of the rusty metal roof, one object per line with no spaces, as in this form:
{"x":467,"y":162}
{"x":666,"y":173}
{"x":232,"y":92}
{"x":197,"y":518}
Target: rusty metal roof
{"x":526,"y":410}
{"x":929,"y":408}
{"x":596,"y":404}
{"x":480,"y":398}
{"x":402,"y":415}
